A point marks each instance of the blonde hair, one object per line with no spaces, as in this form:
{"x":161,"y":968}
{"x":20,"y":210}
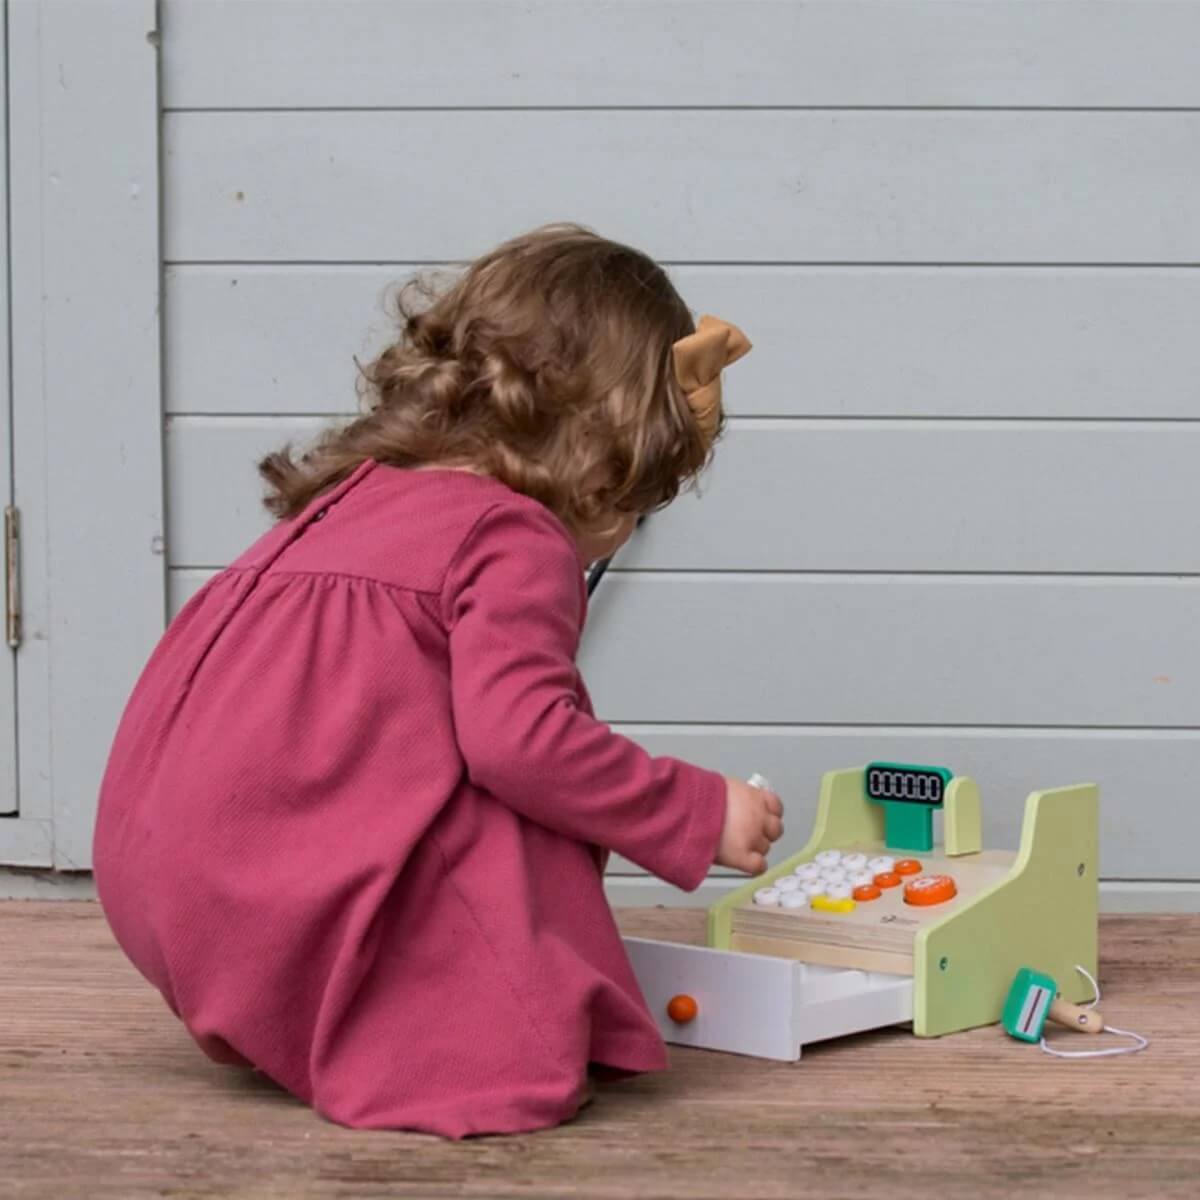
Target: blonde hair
{"x":547,"y":364}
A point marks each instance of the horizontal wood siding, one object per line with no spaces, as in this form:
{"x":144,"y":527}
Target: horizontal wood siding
{"x":1144,"y":772}
{"x":957,"y":514}
{"x":789,"y":186}
{"x":825,"y":496}
{"x":707,"y":53}
{"x":955,"y":342}
{"x":888,"y":650}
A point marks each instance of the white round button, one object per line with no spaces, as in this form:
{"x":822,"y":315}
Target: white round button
{"x":814,"y":887}
{"x":860,"y":879}
{"x":786,"y":883}
{"x":854,"y":862}
{"x":839,"y":891}
{"x":767,"y":897}
{"x":881,"y":865}
{"x":829,"y":858}
{"x":834,"y":875}
{"x":793,"y":900}
{"x":808,"y":870}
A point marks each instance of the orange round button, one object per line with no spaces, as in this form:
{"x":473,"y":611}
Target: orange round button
{"x":682,"y":1009}
{"x":930,"y":889}
{"x":908,"y":866}
{"x":887,"y":879}
{"x":867,"y":891}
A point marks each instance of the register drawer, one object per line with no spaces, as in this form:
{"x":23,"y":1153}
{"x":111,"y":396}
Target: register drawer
{"x":761,"y":1006}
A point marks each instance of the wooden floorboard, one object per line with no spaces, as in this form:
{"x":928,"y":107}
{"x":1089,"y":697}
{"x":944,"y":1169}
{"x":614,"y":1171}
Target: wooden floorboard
{"x":103,"y":1095}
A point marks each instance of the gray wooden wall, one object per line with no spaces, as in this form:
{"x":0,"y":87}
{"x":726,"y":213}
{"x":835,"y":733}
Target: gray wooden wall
{"x":957,"y":515}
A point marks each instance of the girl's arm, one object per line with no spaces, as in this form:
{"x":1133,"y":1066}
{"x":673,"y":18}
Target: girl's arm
{"x":514,"y":604}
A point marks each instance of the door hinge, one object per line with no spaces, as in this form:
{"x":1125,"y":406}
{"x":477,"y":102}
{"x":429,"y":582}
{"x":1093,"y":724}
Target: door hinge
{"x":12,"y":576}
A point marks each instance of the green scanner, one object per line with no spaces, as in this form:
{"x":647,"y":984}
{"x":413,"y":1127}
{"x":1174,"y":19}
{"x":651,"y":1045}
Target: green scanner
{"x":1033,"y":1000}
{"x":909,"y":795}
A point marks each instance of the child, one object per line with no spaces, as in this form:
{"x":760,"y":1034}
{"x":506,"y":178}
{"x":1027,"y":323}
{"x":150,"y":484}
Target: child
{"x":356,"y":816}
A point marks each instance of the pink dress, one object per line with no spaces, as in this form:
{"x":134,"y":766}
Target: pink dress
{"x":352,"y":822}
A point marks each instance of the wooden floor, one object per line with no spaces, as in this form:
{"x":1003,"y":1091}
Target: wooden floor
{"x":102,"y":1095}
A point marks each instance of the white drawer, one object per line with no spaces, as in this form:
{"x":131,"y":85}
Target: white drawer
{"x":760,"y":1006}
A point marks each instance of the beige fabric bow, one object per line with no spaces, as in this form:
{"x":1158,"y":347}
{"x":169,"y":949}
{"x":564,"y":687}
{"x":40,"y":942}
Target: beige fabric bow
{"x":699,"y":359}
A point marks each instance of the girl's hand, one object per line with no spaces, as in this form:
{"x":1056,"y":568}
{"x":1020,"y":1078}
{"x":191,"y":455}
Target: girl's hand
{"x":753,"y":820}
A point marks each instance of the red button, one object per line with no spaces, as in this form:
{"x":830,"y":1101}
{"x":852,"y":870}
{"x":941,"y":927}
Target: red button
{"x":867,"y":891}
{"x":888,"y":879}
{"x":930,"y":889}
{"x":908,"y":866}
{"x":682,"y":1009}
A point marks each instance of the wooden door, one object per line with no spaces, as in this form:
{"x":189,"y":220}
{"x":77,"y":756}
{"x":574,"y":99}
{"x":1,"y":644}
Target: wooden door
{"x":8,"y":719}
{"x":81,"y":448}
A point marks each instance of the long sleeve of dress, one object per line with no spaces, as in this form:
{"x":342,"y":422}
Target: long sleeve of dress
{"x":514,"y":604}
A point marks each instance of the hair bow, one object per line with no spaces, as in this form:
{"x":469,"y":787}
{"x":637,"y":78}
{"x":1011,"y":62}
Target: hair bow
{"x":699,"y":360}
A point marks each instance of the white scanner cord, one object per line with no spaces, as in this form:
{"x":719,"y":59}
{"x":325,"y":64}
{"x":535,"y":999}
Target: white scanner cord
{"x":1140,"y":1043}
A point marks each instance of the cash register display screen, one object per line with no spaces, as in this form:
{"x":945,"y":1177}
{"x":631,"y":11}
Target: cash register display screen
{"x":905,"y":783}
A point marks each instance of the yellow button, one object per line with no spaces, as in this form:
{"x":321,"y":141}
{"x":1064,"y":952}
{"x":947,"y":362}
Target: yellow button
{"x":824,"y":904}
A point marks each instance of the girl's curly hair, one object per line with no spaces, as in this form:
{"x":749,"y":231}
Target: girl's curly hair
{"x":546,"y":364}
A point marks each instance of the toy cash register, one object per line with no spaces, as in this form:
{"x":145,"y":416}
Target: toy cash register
{"x":873,"y":924}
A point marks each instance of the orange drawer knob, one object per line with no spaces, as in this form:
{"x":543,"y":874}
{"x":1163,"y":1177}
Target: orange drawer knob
{"x":887,"y":879}
{"x":930,"y":889}
{"x":908,"y":866}
{"x":682,"y":1009}
{"x":867,"y":891}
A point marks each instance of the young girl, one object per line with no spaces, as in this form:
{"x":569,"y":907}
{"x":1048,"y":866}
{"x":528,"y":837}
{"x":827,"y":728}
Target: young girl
{"x":357,"y":812}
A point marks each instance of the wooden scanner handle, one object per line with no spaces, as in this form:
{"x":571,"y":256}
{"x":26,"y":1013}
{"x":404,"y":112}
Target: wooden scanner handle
{"x":1075,"y":1016}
